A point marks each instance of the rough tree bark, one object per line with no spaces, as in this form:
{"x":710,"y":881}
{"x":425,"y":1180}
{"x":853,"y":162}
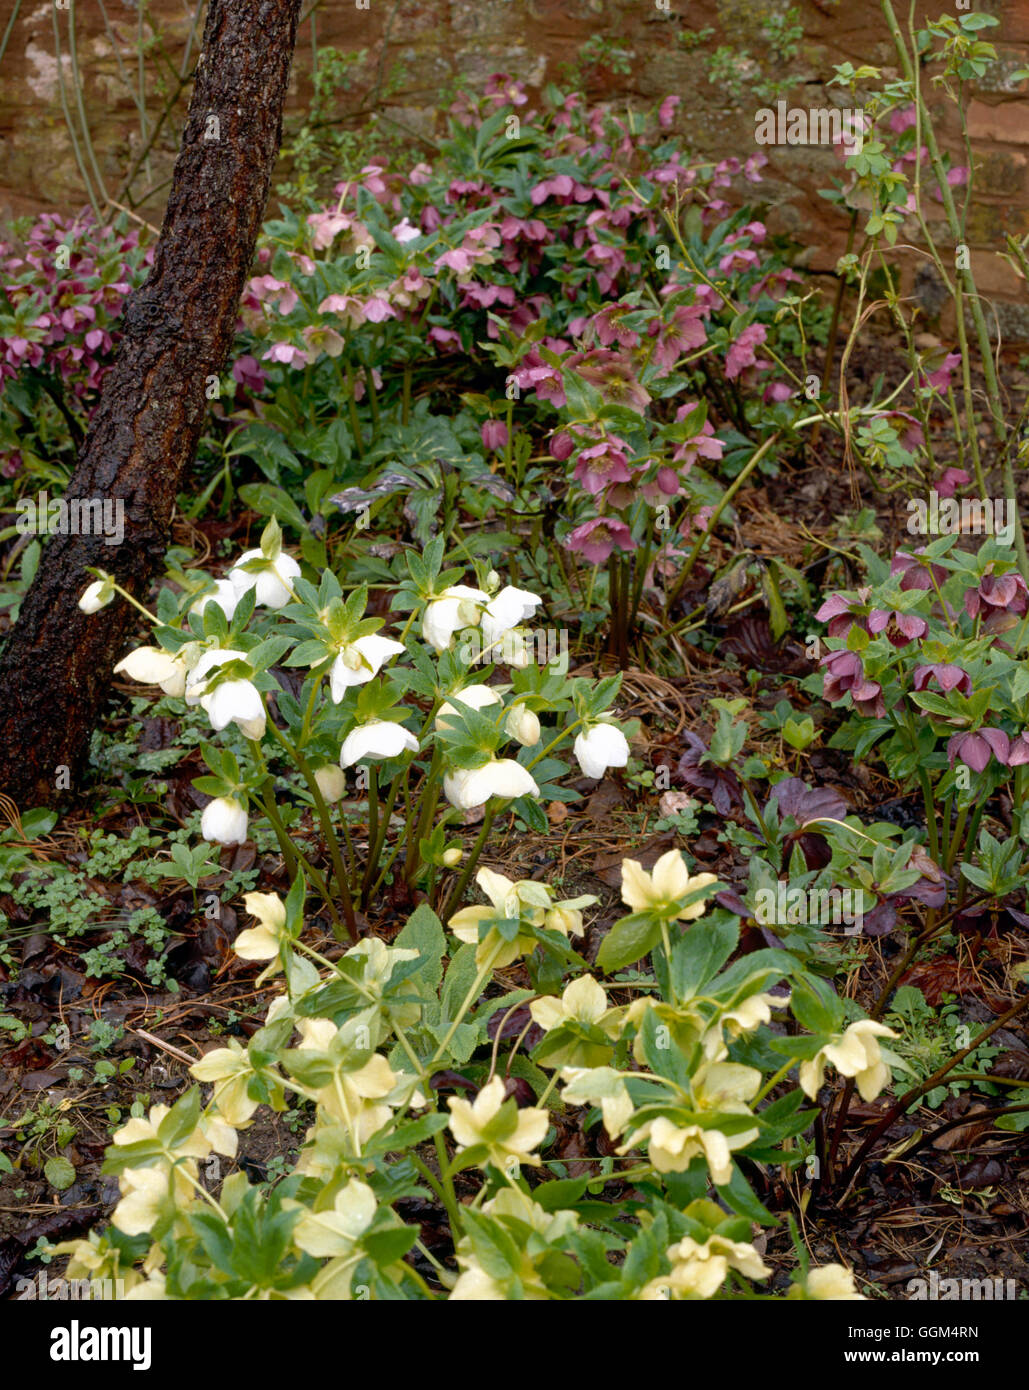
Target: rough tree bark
{"x":55,"y":668}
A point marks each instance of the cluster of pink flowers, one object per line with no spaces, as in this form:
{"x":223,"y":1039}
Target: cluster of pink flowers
{"x":65,"y":288}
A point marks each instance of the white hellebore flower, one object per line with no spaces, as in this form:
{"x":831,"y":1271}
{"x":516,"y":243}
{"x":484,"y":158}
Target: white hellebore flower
{"x":153,"y":666}
{"x":472,"y":697}
{"x":457,"y":607}
{"x":599,"y":748}
{"x":273,"y":585}
{"x":855,"y":1052}
{"x":236,"y":701}
{"x":98,"y":595}
{"x":224,"y":595}
{"x":509,"y":608}
{"x":379,"y":739}
{"x":224,"y":821}
{"x":471,"y":787}
{"x":523,"y":725}
{"x":359,"y":661}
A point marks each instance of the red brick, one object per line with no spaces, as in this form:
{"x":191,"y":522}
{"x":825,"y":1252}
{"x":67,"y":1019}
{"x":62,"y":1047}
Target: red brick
{"x":1008,"y":123}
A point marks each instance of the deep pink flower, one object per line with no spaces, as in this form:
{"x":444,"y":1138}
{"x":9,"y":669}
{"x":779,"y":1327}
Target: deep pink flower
{"x":685,"y":333}
{"x":444,"y":338}
{"x":975,"y":749}
{"x":940,"y":378}
{"x":594,"y":540}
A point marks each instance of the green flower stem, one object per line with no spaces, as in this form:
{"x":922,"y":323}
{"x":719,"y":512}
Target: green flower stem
{"x":773,"y":1081}
{"x":726,"y":498}
{"x":469,"y":864}
{"x":328,"y":832}
{"x":466,"y":1004}
{"x":418,"y":826}
{"x":376,"y":837}
{"x":136,"y":604}
{"x":290,"y":853}
{"x":553,"y":744}
{"x":448,"y":1199}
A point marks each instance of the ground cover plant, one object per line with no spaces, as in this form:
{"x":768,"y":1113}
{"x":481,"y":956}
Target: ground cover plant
{"x":558,"y":831}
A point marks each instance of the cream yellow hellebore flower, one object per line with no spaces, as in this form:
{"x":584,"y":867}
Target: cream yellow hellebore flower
{"x":263,"y":941}
{"x":506,"y":902}
{"x":659,"y":890}
{"x":854,"y":1052}
{"x":335,"y":1234}
{"x":584,"y":999}
{"x":601,"y":1086}
{"x":700,"y":1270}
{"x":508,"y":1134}
{"x":229,"y":1066}
{"x":833,"y":1282}
{"x":723,"y":1087}
{"x":148,"y":1194}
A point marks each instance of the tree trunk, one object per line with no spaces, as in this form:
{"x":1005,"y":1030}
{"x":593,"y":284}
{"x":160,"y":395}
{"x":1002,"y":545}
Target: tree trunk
{"x":55,"y":669}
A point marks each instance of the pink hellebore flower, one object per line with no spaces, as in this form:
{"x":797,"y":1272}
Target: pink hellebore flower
{"x":947,"y":677}
{"x":843,"y":671}
{"x":915,"y":574}
{"x":940,"y":379}
{"x":246,"y":371}
{"x":900,"y":628}
{"x":1001,"y":598}
{"x":685,"y":333}
{"x":950,"y":480}
{"x":742,"y":353}
{"x":1019,"y":752}
{"x":494,"y":435}
{"x":594,"y":540}
{"x":286,"y":352}
{"x":601,"y":465}
{"x":975,"y":749}
{"x":666,"y":112}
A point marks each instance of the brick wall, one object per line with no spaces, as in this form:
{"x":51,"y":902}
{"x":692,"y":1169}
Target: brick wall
{"x":431,"y":42}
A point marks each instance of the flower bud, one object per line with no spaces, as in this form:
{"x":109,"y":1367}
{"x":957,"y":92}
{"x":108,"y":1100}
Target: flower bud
{"x":522,"y":724}
{"x":224,"y":821}
{"x":450,"y":858}
{"x":332,"y":782}
{"x":97,"y":595}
